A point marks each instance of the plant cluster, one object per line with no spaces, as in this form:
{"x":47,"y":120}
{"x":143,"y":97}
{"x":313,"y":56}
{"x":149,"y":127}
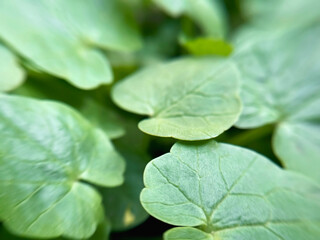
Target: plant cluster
{"x":224,"y":96}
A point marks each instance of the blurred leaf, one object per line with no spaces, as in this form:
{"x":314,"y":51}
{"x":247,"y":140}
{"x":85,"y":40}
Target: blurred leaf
{"x":102,"y":233}
{"x":208,"y":14}
{"x":122,"y":204}
{"x":62,"y":37}
{"x":207,"y":46}
{"x":11,"y":74}
{"x":229,"y":192}
{"x":102,"y":117}
{"x":281,"y":86}
{"x":47,"y":151}
{"x":189,"y":99}
{"x":99,"y":113}
{"x":282,"y":14}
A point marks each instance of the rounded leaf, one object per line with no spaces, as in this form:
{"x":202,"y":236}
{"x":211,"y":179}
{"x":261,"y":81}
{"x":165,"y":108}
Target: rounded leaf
{"x":47,"y":154}
{"x":231,"y":193}
{"x":186,"y":233}
{"x":61,"y":37}
{"x":281,"y":85}
{"x":188,"y":99}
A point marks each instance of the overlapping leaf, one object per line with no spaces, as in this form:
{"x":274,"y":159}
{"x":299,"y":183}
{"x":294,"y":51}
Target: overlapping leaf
{"x":62,"y":37}
{"x":281,"y":85}
{"x":189,"y":99}
{"x":230,"y":193}
{"x":47,"y":152}
{"x":207,"y":14}
{"x":122,"y":204}
{"x":210,"y":16}
{"x":99,"y":114}
{"x":11,"y":74}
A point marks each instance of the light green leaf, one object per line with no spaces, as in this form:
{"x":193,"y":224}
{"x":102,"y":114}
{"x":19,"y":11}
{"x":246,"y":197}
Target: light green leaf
{"x":47,"y":154}
{"x":231,"y":193}
{"x":281,"y":85}
{"x":207,"y":46}
{"x":187,"y":233}
{"x":102,"y":117}
{"x":102,"y":233}
{"x":174,"y":8}
{"x":189,"y":99}
{"x":281,"y":13}
{"x":100,"y":114}
{"x":11,"y":74}
{"x":62,"y":37}
{"x":208,"y":14}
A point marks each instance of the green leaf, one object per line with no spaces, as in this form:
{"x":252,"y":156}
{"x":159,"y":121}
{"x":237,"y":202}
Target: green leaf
{"x":100,"y":114}
{"x":122,"y":205}
{"x":189,"y":99}
{"x":11,"y":74}
{"x":281,"y":85}
{"x":207,"y":46}
{"x":62,"y":37}
{"x":187,"y":233}
{"x":103,"y":117}
{"x":231,"y":193}
{"x":47,"y":154}
{"x":208,"y":14}
{"x":174,"y":8}
{"x":102,"y":233}
{"x":281,"y":13}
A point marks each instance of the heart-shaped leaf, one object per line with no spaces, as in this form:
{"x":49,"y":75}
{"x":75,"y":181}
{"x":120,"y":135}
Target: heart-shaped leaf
{"x":47,"y":151}
{"x":11,"y":74}
{"x":281,"y":85}
{"x":230,"y":193}
{"x":189,"y":99}
{"x":62,"y":37}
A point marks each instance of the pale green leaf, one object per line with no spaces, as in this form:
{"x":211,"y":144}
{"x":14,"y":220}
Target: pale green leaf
{"x":100,"y":114}
{"x":102,"y":117}
{"x":187,"y":233}
{"x":102,"y":233}
{"x":281,"y":13}
{"x":47,"y":154}
{"x":174,"y":8}
{"x":11,"y":74}
{"x":281,"y":86}
{"x":189,"y":99}
{"x":231,"y":193}
{"x":62,"y":37}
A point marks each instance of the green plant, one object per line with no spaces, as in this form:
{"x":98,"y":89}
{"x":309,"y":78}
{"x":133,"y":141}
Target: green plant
{"x":76,"y":156}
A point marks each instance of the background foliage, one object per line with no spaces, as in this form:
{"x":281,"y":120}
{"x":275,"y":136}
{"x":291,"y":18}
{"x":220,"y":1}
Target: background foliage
{"x":92,"y":91}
